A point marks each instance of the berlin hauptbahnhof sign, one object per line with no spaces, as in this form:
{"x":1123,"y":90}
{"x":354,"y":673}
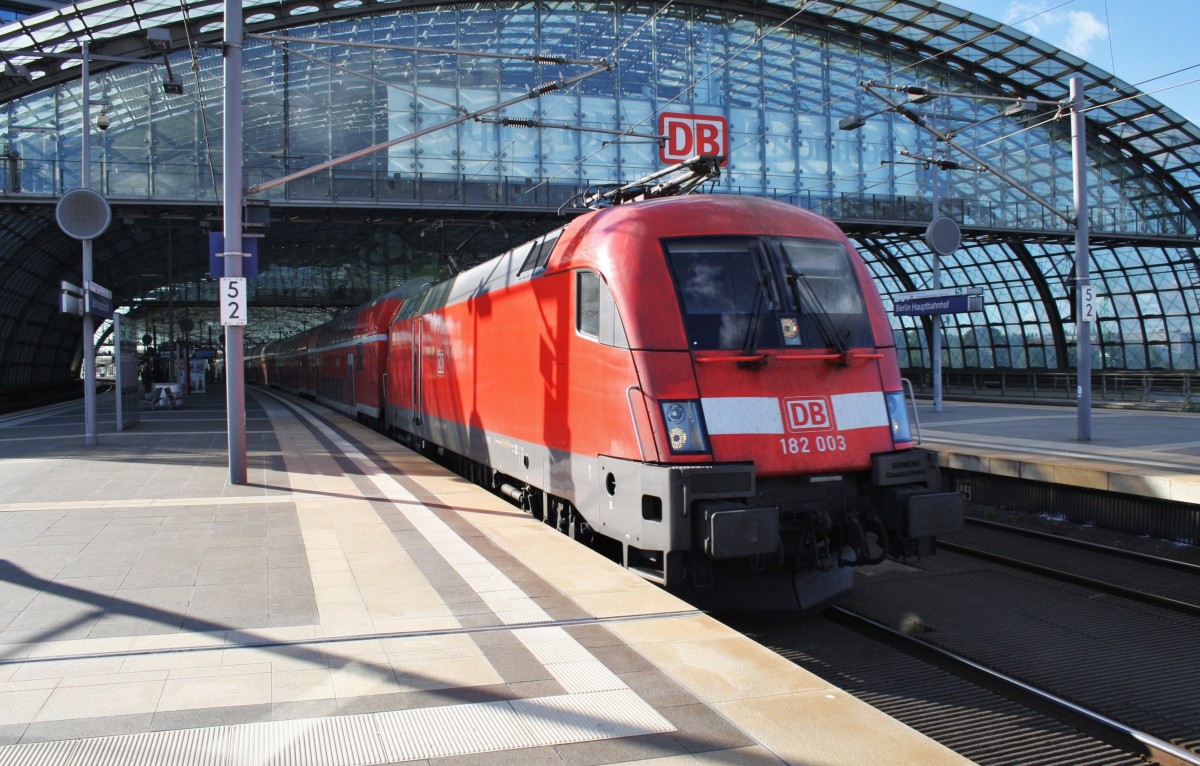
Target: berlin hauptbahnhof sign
{"x":955,"y":300}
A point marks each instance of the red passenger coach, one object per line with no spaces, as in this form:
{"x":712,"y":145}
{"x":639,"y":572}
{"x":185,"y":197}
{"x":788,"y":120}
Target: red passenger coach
{"x":341,"y":364}
{"x":348,"y":358}
{"x":708,"y":381}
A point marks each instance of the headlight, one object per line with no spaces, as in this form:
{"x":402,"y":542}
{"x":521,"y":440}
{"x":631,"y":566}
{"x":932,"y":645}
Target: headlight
{"x":897,"y":417}
{"x":685,"y":427}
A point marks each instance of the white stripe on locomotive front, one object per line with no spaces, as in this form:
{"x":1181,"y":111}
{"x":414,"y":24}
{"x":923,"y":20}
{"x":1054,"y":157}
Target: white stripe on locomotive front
{"x":739,"y":415}
{"x":865,"y":410}
{"x":742,"y":415}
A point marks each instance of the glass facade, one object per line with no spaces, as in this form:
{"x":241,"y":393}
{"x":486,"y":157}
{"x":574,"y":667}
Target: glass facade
{"x":782,"y":89}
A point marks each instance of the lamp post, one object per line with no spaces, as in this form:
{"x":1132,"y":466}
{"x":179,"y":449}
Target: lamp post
{"x":235,"y":384}
{"x":936,"y":266}
{"x":1085,"y":306}
{"x":89,"y":324}
{"x":84,"y":215}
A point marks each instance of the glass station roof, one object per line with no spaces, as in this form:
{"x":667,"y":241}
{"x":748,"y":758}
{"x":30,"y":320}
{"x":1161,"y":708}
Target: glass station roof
{"x":783,"y":75}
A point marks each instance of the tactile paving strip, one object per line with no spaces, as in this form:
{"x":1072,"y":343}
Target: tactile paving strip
{"x":370,"y":738}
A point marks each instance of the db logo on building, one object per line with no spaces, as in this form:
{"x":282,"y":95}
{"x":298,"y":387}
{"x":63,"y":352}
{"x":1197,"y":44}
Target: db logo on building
{"x":691,"y":134}
{"x":808,"y":414}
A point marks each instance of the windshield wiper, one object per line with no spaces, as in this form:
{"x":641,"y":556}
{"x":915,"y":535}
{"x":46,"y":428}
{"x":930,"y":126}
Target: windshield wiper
{"x":800,"y":284}
{"x":749,"y":346}
{"x":750,"y":343}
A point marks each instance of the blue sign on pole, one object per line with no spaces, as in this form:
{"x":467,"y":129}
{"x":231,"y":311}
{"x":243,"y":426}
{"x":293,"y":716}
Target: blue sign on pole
{"x":926,"y":302}
{"x":216,"y":261}
{"x":99,"y":306}
{"x":97,"y":300}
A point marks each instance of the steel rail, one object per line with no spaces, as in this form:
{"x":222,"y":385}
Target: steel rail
{"x":1176,"y":564}
{"x":1114,"y":732}
{"x":1192,"y":610}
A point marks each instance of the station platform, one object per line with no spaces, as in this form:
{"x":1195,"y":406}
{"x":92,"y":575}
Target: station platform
{"x":354,"y":604}
{"x":1146,"y":453}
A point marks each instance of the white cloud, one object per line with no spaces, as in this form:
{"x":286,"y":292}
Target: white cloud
{"x":1074,"y":31}
{"x":1026,"y":16}
{"x":1083,"y":29}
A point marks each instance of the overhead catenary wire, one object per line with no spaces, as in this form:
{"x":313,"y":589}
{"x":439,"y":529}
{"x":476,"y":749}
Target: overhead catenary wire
{"x":1028,"y":123}
{"x":1103,"y":105}
{"x":562,"y":95}
{"x":963,"y":44}
{"x":693,"y":85}
{"x":767,"y":132}
{"x":195,"y":61}
{"x":723,"y":65}
{"x":612,"y":56}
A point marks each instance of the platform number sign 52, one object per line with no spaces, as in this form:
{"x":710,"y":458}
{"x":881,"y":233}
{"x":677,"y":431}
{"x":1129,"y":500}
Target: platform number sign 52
{"x":1087,"y":303}
{"x":233,"y":300}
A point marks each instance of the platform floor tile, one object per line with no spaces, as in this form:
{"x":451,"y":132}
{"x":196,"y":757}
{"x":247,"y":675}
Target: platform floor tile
{"x":351,"y":605}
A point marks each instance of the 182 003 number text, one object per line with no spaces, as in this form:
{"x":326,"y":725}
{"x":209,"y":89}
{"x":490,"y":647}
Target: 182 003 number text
{"x":800,"y":445}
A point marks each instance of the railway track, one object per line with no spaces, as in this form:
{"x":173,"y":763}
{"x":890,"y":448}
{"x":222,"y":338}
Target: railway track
{"x":898,"y":675}
{"x":1148,"y":579}
{"x":1088,"y":722}
{"x":1025,"y":650}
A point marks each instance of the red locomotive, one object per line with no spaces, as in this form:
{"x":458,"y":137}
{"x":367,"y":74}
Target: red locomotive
{"x":708,"y":382}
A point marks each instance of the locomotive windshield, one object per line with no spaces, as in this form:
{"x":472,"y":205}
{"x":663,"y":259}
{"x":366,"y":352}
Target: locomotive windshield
{"x":756,"y":292}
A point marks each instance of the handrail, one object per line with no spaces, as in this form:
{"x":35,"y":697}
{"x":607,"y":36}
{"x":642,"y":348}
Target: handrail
{"x":848,"y":357}
{"x":912,"y":403}
{"x":154,"y":181}
{"x":637,"y":431}
{"x":809,"y":357}
{"x":731,"y":359}
{"x":1157,"y":387}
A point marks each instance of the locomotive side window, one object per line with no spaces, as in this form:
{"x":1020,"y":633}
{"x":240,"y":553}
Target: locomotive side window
{"x":539,"y":253}
{"x":596,"y":312}
{"x":528,"y":253}
{"x":587,"y":305}
{"x":752,"y":293}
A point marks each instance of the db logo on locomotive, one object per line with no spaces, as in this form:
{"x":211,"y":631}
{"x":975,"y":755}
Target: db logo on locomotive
{"x":808,"y":414}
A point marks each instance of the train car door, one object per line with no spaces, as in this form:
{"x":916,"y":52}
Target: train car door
{"x":382,"y":392}
{"x":416,"y":370}
{"x":350,"y":400}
